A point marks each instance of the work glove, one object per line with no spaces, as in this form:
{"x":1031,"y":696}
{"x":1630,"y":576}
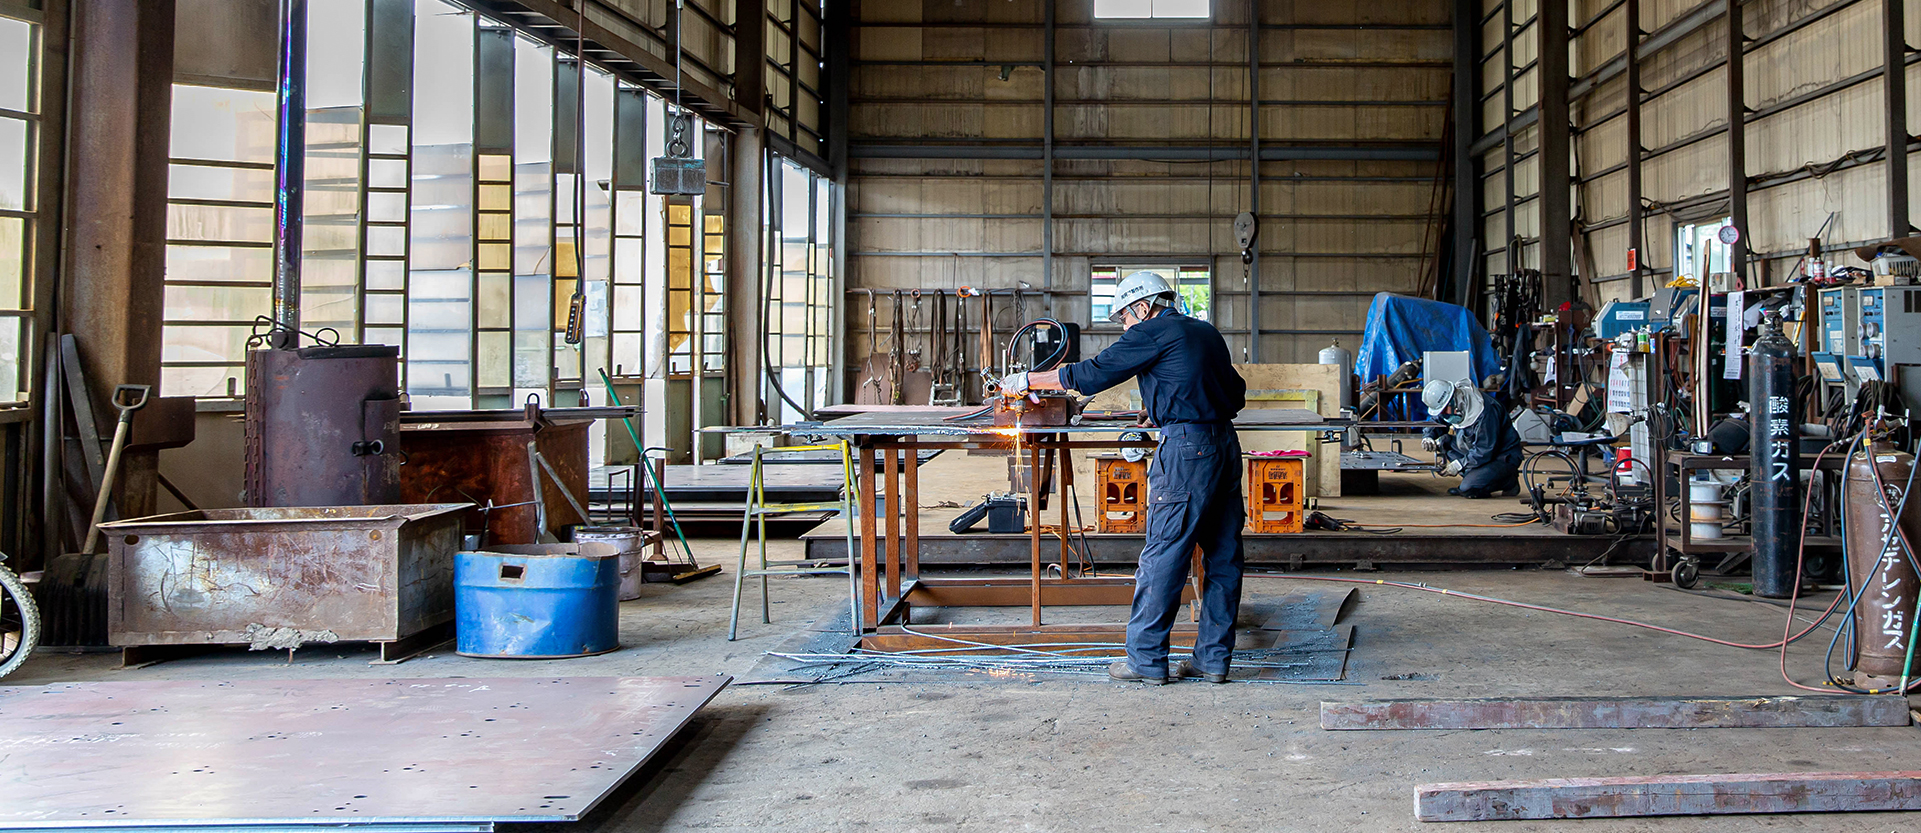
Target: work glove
{"x":1014,"y":384}
{"x":1430,"y":444}
{"x":1452,"y":469}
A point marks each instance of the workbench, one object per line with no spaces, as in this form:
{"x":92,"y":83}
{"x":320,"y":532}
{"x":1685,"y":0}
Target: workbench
{"x":889,"y":569}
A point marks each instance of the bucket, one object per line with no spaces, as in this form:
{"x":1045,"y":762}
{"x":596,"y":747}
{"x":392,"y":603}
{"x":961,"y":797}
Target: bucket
{"x":537,"y":601}
{"x":626,"y":539}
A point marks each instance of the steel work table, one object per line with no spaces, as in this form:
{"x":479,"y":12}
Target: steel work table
{"x":890,"y":576}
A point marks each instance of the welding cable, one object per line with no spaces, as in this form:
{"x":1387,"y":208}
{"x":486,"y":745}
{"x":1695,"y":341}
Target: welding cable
{"x":1060,"y":352}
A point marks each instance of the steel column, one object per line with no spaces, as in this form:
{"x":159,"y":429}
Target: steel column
{"x":1510,"y":253}
{"x":1047,"y":154}
{"x":1556,"y":188}
{"x":747,"y":161}
{"x":1636,"y":234}
{"x":1253,"y":175}
{"x":1467,"y":175}
{"x":1895,"y":79}
{"x":120,"y":105}
{"x":1737,"y":143}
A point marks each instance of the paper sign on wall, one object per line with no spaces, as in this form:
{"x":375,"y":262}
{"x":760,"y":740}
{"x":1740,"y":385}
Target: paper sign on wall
{"x":1731,"y":369}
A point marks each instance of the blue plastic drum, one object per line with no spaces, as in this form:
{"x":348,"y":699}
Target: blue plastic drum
{"x":537,"y":605}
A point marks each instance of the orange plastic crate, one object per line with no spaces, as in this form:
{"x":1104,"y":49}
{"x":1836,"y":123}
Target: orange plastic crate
{"x":1276,"y":494}
{"x":1122,"y":487}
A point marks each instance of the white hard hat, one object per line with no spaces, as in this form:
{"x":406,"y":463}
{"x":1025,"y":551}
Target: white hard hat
{"x":1140,"y":286}
{"x":1439,"y":394}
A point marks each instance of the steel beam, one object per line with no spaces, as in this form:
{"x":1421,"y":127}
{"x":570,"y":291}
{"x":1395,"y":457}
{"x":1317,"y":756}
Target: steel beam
{"x":1620,"y":713}
{"x":1636,"y":235}
{"x":1670,"y":795}
{"x":1253,"y":174}
{"x":1508,"y":129}
{"x":1467,"y":176}
{"x":1737,"y":143}
{"x":1895,"y":80}
{"x":553,"y":21}
{"x":1047,"y":153}
{"x":1405,"y":152}
{"x":1556,"y":187}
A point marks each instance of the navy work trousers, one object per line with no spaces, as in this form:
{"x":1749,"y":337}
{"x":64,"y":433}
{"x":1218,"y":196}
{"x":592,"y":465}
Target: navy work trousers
{"x":1194,"y":497}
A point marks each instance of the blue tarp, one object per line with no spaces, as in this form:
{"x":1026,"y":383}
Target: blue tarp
{"x":1400,"y":328}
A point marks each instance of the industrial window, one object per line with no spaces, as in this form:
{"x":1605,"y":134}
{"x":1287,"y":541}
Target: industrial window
{"x":1194,"y":283}
{"x":219,"y":272}
{"x":795,"y":102}
{"x":19,"y":129}
{"x":800,"y":290}
{"x":1152,"y":9}
{"x":1699,"y":252}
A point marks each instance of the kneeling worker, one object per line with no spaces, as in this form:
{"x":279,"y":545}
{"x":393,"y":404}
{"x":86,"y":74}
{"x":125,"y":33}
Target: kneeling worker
{"x":1483,"y":448}
{"x":1189,"y":389}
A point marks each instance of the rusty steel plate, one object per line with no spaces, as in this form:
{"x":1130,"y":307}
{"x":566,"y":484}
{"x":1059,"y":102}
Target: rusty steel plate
{"x":330,"y":752}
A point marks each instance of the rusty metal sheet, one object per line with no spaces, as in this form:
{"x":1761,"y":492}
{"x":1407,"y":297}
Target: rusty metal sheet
{"x":485,"y":463}
{"x":330,"y":752}
{"x":1670,"y":795}
{"x":1620,"y":713}
{"x":309,"y":574}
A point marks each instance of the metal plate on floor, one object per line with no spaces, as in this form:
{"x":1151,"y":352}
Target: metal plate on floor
{"x":330,"y":752}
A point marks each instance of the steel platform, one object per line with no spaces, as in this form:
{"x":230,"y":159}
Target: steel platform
{"x":372,"y":756}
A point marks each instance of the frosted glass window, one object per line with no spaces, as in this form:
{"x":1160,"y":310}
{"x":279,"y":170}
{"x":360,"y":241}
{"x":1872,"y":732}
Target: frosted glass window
{"x":1154,"y":9}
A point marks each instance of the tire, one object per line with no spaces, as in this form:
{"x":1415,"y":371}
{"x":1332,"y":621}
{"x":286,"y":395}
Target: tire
{"x":19,"y":622}
{"x":1686,"y":574}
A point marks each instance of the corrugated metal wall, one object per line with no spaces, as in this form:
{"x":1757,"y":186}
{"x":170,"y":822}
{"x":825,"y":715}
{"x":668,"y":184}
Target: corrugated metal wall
{"x":1815,"y":129}
{"x":941,"y":79}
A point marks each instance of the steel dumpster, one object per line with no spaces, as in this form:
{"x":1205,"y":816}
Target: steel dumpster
{"x":280,"y":576}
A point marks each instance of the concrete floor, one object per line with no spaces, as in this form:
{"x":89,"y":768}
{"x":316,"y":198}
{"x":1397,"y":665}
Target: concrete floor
{"x":1072,"y":755}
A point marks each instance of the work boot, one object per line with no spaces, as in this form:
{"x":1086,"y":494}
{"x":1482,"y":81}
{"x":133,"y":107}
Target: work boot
{"x":1120,"y":670}
{"x":1187,"y":668}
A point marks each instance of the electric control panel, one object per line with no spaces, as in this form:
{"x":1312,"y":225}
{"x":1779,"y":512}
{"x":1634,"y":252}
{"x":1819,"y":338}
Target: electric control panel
{"x":1889,"y":319}
{"x":1840,"y":331}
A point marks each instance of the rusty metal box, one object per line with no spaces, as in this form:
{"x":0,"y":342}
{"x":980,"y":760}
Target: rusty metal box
{"x":231,"y":576}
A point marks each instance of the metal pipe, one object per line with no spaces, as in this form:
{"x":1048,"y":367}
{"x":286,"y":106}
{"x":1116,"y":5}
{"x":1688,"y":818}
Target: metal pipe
{"x":290,"y":172}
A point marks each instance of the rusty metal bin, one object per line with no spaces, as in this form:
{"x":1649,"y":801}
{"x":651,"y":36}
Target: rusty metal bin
{"x":267,"y":577}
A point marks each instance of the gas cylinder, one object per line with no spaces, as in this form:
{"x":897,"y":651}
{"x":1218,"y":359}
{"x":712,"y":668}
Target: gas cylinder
{"x":1878,"y":562}
{"x":1335,"y":354}
{"x":1774,"y":455}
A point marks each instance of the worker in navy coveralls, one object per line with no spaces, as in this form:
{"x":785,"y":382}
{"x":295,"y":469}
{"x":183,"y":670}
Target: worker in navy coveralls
{"x":1189,"y":389}
{"x":1471,"y":434}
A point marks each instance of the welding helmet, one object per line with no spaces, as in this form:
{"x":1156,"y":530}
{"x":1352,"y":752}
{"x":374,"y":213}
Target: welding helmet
{"x":1140,"y":286}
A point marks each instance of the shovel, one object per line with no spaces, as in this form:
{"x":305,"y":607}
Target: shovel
{"x":126,"y":398}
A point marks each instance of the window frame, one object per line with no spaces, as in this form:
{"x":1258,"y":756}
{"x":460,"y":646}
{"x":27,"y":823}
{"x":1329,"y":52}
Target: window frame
{"x":1097,"y":322}
{"x":1153,"y":18}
